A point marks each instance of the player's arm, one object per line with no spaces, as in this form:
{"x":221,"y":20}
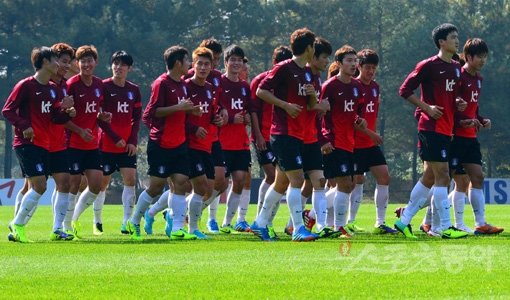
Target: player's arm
{"x":85,"y":134}
{"x":10,"y":110}
{"x":135,"y":120}
{"x":291,"y":108}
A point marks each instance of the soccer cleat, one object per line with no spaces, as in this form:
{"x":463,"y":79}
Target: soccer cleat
{"x":383,"y":229}
{"x":169,"y":225}
{"x":434,"y":233}
{"x":134,"y":230}
{"x":289,"y":230}
{"x":200,"y":235}
{"x":272,"y":233}
{"x":261,"y":232}
{"x":123,"y":229}
{"x":149,"y":221}
{"x":227,"y":229}
{"x":307,"y":220}
{"x":182,"y":234}
{"x":59,"y":235}
{"x":303,"y":235}
{"x":11,"y":238}
{"x":453,"y":233}
{"x":212,"y":226}
{"x":97,"y":229}
{"x":399,"y":211}
{"x":10,"y":226}
{"x":488,"y":229}
{"x":353,"y":227}
{"x":464,"y":228}
{"x":345,"y":233}
{"x":19,"y":234}
{"x":327,"y":232}
{"x":425,"y":227}
{"x":242,"y":226}
{"x":76,"y":225}
{"x":407,"y":231}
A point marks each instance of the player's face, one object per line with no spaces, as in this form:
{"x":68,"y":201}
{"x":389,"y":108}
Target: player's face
{"x":120,"y":69}
{"x":64,"y":63}
{"x":309,"y":52}
{"x":321,"y":62}
{"x":245,"y":71}
{"x":367,"y":72}
{"x":216,"y":59}
{"x":234,"y":64}
{"x":184,"y":65}
{"x":203,"y":66}
{"x":87,"y":65}
{"x":73,"y":69}
{"x":477,"y":61}
{"x":451,"y":44}
{"x":348,"y":65}
{"x":52,"y":65}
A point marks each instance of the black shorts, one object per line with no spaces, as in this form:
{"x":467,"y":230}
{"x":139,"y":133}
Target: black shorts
{"x":338,"y":163}
{"x":59,"y":162}
{"x":288,"y":151}
{"x":267,"y":156}
{"x":165,"y":162}
{"x":81,"y":160}
{"x":201,"y":163}
{"x":237,"y":160}
{"x":433,"y":146}
{"x":365,"y":158}
{"x":217,"y":154}
{"x":464,"y":151}
{"x":33,"y":160}
{"x":115,"y":161}
{"x":312,"y":157}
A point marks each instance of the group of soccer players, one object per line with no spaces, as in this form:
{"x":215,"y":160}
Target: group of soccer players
{"x":312,"y":138}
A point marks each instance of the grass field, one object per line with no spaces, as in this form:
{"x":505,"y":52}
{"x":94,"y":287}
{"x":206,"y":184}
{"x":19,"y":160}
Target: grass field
{"x":242,"y":267}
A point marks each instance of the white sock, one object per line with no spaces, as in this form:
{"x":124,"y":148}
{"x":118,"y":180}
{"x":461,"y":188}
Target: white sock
{"x":320,"y":208}
{"x":477,"y":200}
{"x":30,"y":214}
{"x":233,"y":200}
{"x":17,"y":204}
{"x":195,"y":211}
{"x":179,"y":207}
{"x":98,"y":207}
{"x":272,"y":197}
{"x":29,"y":201}
{"x":340,"y":208}
{"x":303,"y":201}
{"x":294,"y":201}
{"x":144,"y":201}
{"x":458,"y":201}
{"x":264,"y":186}
{"x":53,"y":200}
{"x":427,"y":219}
{"x":128,"y":202}
{"x":355,"y":201}
{"x":209,"y":201}
{"x":381,"y":196}
{"x":243,"y":205}
{"x":70,"y":211}
{"x":160,"y":205}
{"x":416,"y":202}
{"x":213,"y":208}
{"x":273,"y":213}
{"x":440,"y":200}
{"x":435,"y":221}
{"x":60,"y":209}
{"x":86,"y":199}
{"x":330,"y":198}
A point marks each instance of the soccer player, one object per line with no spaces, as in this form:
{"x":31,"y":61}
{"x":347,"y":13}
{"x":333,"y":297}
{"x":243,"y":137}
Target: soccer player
{"x":234,"y":96}
{"x":31,"y":107}
{"x":291,"y":82}
{"x":439,"y":78}
{"x":466,"y":158}
{"x":368,"y":156}
{"x":345,"y":96}
{"x":87,"y":91}
{"x":167,"y":152}
{"x":119,"y":138}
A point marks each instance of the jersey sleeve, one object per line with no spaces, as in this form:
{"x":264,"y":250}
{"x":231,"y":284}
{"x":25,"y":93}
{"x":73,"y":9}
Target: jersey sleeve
{"x":413,"y":80}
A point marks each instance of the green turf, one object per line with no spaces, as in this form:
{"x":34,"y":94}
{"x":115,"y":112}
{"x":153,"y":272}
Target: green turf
{"x":242,"y":267}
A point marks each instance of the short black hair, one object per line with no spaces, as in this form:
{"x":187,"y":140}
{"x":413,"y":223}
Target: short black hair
{"x":300,"y":40}
{"x":442,"y":31}
{"x":368,"y":56}
{"x":123,"y":57}
{"x":281,"y":53}
{"x":39,"y":54}
{"x":212,"y":44}
{"x":321,"y":45}
{"x":475,"y":46}
{"x":233,"y":50}
{"x":343,"y":51}
{"x":173,"y":54}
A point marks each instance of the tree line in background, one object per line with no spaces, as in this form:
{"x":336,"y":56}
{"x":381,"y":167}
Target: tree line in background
{"x":400,"y":31}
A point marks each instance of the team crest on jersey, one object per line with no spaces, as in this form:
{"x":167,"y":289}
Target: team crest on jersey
{"x":161,"y":169}
{"x":216,"y":82}
{"x":443,"y":153}
{"x":343,"y":168}
{"x":374,"y":92}
{"x":479,"y":83}
{"x":320,"y":81}
{"x":299,"y":161}
{"x":106,"y":168}
{"x":308,"y":77}
{"x":457,"y":73}
{"x":455,"y":162}
{"x":355,"y":92}
{"x":98,"y":93}
{"x":243,"y":91}
{"x":130,"y":95}
{"x":39,"y":167}
{"x":76,"y":166}
{"x":270,"y":155}
{"x":53,"y":94}
{"x":184,"y":90}
{"x":209,"y":94}
{"x":64,"y":91}
{"x":199,"y":167}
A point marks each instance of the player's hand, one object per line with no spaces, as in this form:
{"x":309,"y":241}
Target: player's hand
{"x":105,"y":116}
{"x":29,"y":134}
{"x":185,"y":105}
{"x":238,"y":118}
{"x":67,"y":102}
{"x":460,"y":104}
{"x":196,"y":110}
{"x":260,"y":143}
{"x":131,"y":149}
{"x":247,"y":119}
{"x":71,"y":111}
{"x":86,"y":134}
{"x":322,"y":107}
{"x":435,"y":111}
{"x":310,"y":90}
{"x":120,"y":144}
{"x":218,"y":120}
{"x":327,"y":148}
{"x":292,"y":109}
{"x":470,"y":123}
{"x":377,"y":139}
{"x":487,"y":123}
{"x":360,"y":124}
{"x":201,"y":133}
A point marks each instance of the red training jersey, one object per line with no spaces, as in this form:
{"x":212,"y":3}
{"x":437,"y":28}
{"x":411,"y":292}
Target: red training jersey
{"x":469,"y":91}
{"x":370,"y":94}
{"x":263,"y":109}
{"x":310,"y":134}
{"x":57,"y":132}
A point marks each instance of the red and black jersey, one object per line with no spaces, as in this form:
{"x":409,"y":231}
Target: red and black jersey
{"x":87,"y":102}
{"x":235,"y":98}
{"x":469,"y":91}
{"x":370,"y":94}
{"x":287,"y":80}
{"x":57,"y":132}
{"x":35,"y":105}
{"x":346,"y":100}
{"x":263,"y":109}
{"x":203,"y":96}
{"x":310,"y":134}
{"x":168,"y":132}
{"x":439,"y":81}
{"x":125,"y":105}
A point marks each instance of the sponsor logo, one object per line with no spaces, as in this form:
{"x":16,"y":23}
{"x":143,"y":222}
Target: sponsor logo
{"x":90,"y":107}
{"x":38,"y":93}
{"x":237,"y":104}
{"x":449,"y":85}
{"x":349,"y":105}
{"x":45,"y":107}
{"x":441,"y":72}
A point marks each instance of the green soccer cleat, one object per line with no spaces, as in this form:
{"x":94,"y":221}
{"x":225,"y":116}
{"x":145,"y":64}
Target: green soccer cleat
{"x":97,"y":229}
{"x":76,"y":229}
{"x":19,"y":233}
{"x":453,"y":233}
{"x":353,"y":227}
{"x":134,"y":230}
{"x":327,"y":232}
{"x":227,"y":229}
{"x":182,"y":234}
{"x":272,"y":233}
{"x":405,"y":230}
